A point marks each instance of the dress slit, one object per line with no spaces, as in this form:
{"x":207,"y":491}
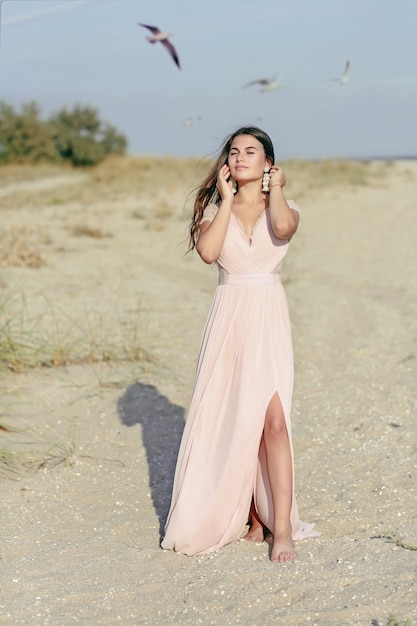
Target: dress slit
{"x":262,"y":493}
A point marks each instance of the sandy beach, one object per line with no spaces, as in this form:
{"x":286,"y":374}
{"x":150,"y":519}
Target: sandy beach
{"x":80,"y":538}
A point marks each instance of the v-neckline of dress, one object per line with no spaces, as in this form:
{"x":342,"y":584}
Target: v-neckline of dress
{"x":242,"y":226}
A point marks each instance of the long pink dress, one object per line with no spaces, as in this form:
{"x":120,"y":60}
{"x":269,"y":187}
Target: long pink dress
{"x":245,"y":358}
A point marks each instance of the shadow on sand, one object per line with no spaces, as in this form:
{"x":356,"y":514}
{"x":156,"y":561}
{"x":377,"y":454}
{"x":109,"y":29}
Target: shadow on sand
{"x":162,"y":426}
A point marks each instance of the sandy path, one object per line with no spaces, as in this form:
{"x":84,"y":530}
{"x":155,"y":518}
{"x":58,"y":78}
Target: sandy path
{"x":80,"y":542}
{"x":42,"y":184}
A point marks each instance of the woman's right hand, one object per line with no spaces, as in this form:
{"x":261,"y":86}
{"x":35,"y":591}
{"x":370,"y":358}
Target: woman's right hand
{"x":225,"y":183}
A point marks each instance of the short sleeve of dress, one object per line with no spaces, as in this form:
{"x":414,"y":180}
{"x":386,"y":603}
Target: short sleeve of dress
{"x":294,"y":206}
{"x":209,"y":213}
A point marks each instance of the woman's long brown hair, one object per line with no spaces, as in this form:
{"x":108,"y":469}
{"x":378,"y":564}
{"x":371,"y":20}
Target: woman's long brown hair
{"x":207,"y":192}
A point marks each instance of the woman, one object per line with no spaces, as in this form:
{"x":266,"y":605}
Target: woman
{"x":236,"y":447}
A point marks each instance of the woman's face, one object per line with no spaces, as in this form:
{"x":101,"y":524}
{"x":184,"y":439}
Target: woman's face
{"x":247,"y":158}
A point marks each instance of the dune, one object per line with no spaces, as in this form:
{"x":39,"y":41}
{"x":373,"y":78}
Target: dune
{"x":106,"y":328}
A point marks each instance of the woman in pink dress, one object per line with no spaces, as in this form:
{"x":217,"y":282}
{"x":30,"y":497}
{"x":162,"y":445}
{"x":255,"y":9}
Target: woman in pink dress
{"x":236,"y":454}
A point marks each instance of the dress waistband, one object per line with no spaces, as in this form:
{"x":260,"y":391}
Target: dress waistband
{"x":248,"y":279}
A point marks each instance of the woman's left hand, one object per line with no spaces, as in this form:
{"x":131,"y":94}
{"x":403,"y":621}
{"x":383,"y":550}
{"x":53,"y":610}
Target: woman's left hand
{"x":277,"y":177}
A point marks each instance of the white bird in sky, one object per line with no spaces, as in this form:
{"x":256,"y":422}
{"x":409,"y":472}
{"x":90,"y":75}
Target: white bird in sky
{"x":267,"y":84}
{"x":345,"y":76}
{"x":163,"y":38}
{"x":189,"y":121}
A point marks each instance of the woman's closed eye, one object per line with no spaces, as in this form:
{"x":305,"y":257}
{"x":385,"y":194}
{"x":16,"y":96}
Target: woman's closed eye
{"x":235,"y":152}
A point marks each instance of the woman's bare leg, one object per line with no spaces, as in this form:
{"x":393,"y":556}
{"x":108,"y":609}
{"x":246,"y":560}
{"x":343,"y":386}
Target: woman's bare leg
{"x":280,"y":474}
{"x":256,"y":530}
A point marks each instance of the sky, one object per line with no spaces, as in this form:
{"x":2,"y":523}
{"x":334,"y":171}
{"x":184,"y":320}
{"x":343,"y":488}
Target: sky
{"x":92,"y":52}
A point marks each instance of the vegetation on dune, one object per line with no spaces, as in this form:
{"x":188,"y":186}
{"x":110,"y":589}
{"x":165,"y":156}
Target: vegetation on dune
{"x":25,"y":450}
{"x":145,"y":173}
{"x":157,"y":189}
{"x":19,"y":246}
{"x":394,"y":621}
{"x":52,"y":339}
{"x":76,"y":136}
{"x":330,"y":172}
{"x":27,"y":342}
{"x":164,"y":181}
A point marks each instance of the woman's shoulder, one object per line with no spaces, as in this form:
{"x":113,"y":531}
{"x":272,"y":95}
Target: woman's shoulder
{"x":209,"y":212}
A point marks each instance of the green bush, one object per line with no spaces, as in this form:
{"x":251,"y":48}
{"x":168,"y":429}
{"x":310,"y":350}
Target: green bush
{"x":80,"y":136}
{"x":24,"y":137}
{"x":77,"y":136}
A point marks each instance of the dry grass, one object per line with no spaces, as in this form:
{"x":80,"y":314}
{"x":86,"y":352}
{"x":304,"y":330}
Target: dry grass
{"x":53,"y":339}
{"x":310,"y":176}
{"x":154,"y":178}
{"x":10,"y":174}
{"x":158,"y":190}
{"x":394,"y":621}
{"x":24,"y":198}
{"x":393,"y":537}
{"x":143,"y":174}
{"x":21,"y":246}
{"x":83,"y":230}
{"x":25,"y":450}
{"x":162,"y":185}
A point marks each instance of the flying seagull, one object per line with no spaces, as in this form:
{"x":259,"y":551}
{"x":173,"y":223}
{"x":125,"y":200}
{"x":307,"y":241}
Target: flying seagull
{"x":267,"y":84}
{"x":189,"y":121}
{"x":158,"y":35}
{"x":345,"y":76}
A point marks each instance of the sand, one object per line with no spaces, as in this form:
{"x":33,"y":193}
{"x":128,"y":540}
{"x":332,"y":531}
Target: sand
{"x":80,"y":540}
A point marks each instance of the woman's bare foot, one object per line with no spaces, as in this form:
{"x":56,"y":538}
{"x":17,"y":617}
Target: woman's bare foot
{"x":283,"y":548}
{"x":255,"y":533}
{"x":256,"y":530}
